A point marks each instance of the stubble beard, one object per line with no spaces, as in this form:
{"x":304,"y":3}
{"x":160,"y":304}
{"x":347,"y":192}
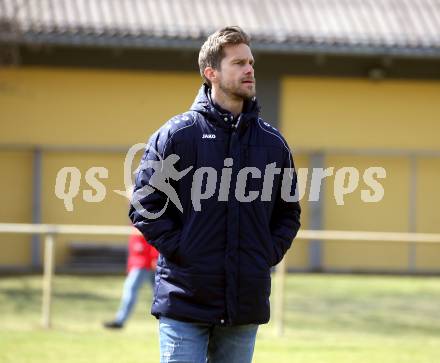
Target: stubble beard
{"x":235,"y":92}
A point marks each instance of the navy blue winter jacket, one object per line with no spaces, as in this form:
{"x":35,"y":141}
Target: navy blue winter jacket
{"x":214,"y":264}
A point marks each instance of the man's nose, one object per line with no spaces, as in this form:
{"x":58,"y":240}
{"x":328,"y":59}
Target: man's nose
{"x":249,"y":69}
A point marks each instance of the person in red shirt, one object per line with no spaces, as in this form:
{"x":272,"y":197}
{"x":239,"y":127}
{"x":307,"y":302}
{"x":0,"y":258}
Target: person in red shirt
{"x":141,"y":264}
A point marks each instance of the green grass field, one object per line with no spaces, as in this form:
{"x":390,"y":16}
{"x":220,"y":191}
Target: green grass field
{"x":329,"y":319}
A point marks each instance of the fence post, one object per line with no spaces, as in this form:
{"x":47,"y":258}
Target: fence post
{"x":280,"y":273}
{"x":49,"y":248}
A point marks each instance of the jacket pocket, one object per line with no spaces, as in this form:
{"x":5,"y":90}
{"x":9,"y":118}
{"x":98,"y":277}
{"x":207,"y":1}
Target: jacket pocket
{"x":168,"y":245}
{"x":185,"y":291}
{"x":278,"y":250}
{"x":253,"y":301}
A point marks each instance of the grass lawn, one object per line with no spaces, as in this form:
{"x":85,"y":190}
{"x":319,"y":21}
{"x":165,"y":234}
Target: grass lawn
{"x":329,"y":319}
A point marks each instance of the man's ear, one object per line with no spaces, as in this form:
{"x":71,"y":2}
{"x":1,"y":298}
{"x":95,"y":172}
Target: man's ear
{"x":211,"y":74}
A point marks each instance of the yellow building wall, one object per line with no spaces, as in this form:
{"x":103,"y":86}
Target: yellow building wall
{"x":15,"y":205}
{"x":390,"y":214}
{"x":329,"y":114}
{"x":62,"y":107}
{"x":112,"y":210}
{"x":321,"y":113}
{"x":428,"y":215}
{"x":298,"y":254}
{"x":71,"y":107}
{"x":89,"y":107}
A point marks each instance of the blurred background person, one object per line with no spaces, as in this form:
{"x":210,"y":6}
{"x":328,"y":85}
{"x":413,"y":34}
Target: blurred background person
{"x":141,"y":264}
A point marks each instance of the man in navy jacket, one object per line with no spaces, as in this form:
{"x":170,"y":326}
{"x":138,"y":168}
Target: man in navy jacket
{"x":215,"y":195}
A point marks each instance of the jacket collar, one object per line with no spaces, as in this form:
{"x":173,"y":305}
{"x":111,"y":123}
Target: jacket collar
{"x":223,"y":118}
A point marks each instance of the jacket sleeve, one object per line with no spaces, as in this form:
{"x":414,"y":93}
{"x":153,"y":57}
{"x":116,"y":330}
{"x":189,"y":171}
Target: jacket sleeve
{"x":285,"y":220}
{"x":151,"y":212}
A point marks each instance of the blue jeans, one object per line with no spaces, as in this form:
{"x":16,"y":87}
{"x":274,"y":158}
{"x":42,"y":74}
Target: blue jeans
{"x":133,"y":282}
{"x":182,"y":342}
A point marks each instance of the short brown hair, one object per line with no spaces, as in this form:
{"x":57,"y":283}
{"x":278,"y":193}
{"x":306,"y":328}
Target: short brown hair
{"x":211,"y":53}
